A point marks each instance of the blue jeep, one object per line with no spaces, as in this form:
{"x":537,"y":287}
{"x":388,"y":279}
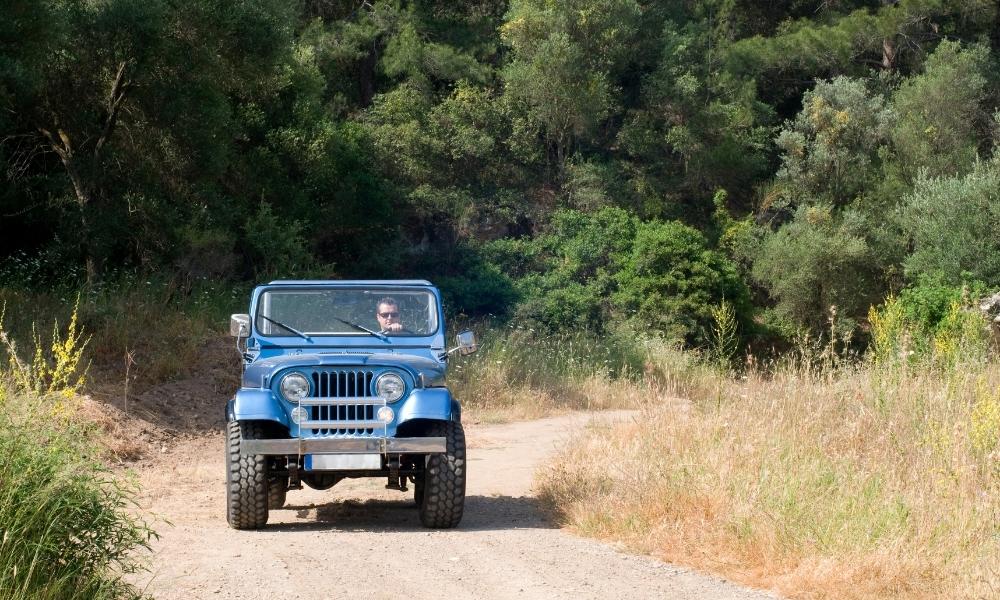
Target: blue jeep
{"x":344,"y":379}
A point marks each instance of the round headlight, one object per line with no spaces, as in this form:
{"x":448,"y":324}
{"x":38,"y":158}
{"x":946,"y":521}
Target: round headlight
{"x":390,"y":386}
{"x":294,"y":387}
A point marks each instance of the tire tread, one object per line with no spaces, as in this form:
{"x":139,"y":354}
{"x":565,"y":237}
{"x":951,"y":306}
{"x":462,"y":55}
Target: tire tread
{"x":444,"y":479}
{"x":246,"y":479}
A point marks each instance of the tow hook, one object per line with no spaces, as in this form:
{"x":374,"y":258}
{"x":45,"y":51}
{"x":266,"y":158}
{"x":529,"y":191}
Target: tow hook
{"x":396,"y":482}
{"x":293,"y":474}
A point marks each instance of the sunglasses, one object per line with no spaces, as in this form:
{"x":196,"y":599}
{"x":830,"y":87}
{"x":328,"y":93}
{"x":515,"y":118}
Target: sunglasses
{"x":387,"y":315}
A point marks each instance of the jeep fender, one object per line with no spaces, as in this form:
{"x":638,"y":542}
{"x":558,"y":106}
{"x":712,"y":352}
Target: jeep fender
{"x":429,"y":403}
{"x":255,"y":405}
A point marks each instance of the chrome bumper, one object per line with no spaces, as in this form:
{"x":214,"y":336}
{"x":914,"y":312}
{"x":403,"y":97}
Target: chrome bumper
{"x":421,"y":445}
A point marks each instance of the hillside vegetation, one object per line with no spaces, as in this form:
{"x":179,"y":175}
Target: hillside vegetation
{"x":572,"y":165}
{"x":769,"y":227}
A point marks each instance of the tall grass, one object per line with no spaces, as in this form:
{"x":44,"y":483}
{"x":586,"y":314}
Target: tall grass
{"x":872,"y":480}
{"x":162,"y":326}
{"x":520,"y":374}
{"x":66,"y":526}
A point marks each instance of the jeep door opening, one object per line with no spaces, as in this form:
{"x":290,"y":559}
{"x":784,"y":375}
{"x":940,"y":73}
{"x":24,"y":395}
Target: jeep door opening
{"x":344,"y":379}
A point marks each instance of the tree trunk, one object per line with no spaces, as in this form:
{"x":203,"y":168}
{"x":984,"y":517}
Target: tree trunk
{"x":888,"y":44}
{"x":83,"y":164}
{"x":888,"y":54}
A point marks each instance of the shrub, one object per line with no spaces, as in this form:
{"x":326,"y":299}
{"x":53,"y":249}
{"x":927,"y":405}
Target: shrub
{"x":590,"y":271}
{"x":671,"y":281}
{"x":929,"y":320}
{"x":56,"y":369}
{"x":819,"y":260}
{"x":67,"y":529}
{"x":952,"y":223}
{"x":65,"y":522}
{"x":566,"y":275}
{"x":276,"y":245}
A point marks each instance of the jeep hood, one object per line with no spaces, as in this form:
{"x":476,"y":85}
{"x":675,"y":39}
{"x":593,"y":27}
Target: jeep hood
{"x":260,"y":371}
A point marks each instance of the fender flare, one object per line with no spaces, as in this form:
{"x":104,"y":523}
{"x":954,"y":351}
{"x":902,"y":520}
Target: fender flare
{"x":255,"y":405}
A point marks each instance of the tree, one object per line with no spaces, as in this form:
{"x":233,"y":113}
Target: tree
{"x":953,"y":223}
{"x":696,"y":129}
{"x":942,"y":121}
{"x":163,"y":74}
{"x":831,"y":150}
{"x":564,"y":58}
{"x":820,"y":260}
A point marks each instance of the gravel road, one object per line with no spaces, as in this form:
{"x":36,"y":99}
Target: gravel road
{"x":361,"y":541}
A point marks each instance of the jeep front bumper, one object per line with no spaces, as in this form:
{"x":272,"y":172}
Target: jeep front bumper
{"x":417,"y":445}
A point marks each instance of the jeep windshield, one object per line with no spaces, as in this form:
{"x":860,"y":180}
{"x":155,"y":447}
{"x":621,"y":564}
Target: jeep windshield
{"x":374,"y":311}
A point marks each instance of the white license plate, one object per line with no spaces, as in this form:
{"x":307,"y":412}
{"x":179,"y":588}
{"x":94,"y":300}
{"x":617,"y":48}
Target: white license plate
{"x":343,"y":462}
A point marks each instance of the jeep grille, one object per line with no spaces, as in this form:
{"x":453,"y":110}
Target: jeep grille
{"x":342,"y":403}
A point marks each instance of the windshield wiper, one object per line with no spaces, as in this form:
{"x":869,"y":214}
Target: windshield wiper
{"x":380,"y":336}
{"x":283,"y":326}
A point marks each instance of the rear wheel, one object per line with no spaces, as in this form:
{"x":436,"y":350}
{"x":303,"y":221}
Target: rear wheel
{"x":277,"y":490}
{"x":246,"y":478}
{"x":418,"y":493}
{"x":442,"y":492}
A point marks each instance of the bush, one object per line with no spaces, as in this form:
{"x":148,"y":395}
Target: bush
{"x":482,"y":290}
{"x":952,"y":223}
{"x":928,"y":302}
{"x":566,"y":275}
{"x":819,"y":260}
{"x":66,"y":525}
{"x":276,"y":246}
{"x":671,"y":281}
{"x":929,"y":321}
{"x":591,"y":271}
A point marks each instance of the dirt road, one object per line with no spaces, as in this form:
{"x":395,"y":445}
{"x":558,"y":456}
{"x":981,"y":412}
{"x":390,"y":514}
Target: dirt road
{"x":358,"y":540}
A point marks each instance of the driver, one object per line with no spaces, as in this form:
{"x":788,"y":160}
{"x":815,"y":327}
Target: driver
{"x":387,"y":314}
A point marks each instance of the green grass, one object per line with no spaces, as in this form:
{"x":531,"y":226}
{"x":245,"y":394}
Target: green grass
{"x":519,"y":373}
{"x":67,"y":525}
{"x":163,"y":326}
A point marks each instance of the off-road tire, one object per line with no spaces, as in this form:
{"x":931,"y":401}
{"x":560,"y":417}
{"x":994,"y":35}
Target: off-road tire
{"x":277,"y":490}
{"x":444,"y":479}
{"x":246,"y":479}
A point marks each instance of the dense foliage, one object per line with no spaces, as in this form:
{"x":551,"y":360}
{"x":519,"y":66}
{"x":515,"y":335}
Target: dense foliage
{"x":576,"y":164}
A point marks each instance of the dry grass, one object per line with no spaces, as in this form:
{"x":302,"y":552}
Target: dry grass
{"x":868,"y":482}
{"x":160,"y":331}
{"x":519,"y":375}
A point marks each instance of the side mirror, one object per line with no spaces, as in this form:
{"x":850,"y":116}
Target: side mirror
{"x":466,"y":341}
{"x":239,"y":326}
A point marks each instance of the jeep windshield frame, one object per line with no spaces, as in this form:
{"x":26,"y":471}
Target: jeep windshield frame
{"x":329,"y":311}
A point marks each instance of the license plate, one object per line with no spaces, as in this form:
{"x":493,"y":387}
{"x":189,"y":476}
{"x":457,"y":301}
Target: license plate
{"x":342,"y":462}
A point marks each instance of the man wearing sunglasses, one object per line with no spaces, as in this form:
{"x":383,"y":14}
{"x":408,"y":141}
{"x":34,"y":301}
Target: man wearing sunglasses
{"x":387,"y":314}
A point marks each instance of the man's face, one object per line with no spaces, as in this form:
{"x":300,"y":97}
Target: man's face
{"x":388,"y":317}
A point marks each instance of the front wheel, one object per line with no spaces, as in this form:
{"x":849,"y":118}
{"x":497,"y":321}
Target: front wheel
{"x":246,"y":479}
{"x":442,"y":492}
